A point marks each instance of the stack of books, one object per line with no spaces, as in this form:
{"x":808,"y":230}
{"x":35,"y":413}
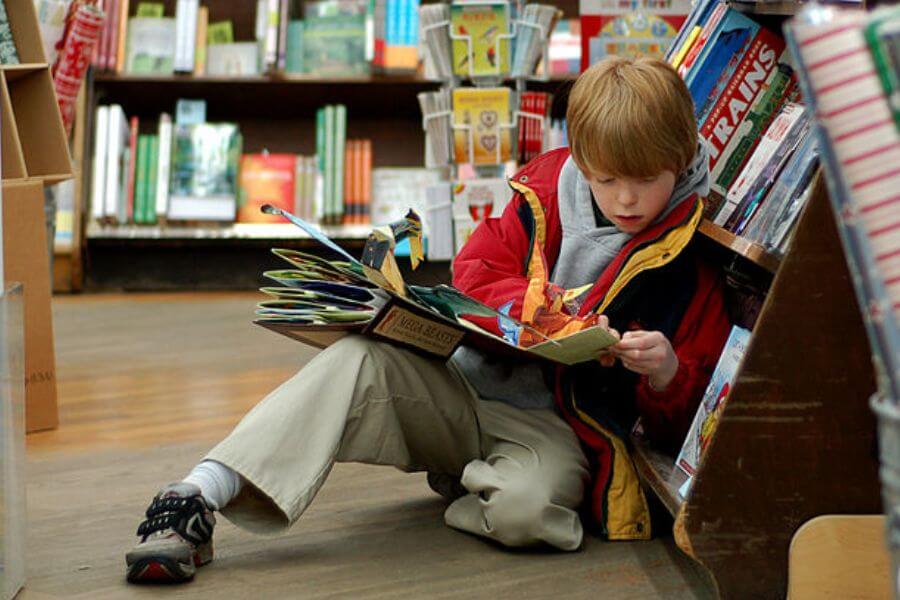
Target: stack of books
{"x":191,"y":170}
{"x":746,"y":102}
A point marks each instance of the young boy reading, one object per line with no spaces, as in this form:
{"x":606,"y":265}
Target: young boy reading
{"x":517,"y":449}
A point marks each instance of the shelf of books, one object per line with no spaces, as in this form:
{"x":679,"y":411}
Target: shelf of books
{"x":769,"y":409}
{"x":235,"y":231}
{"x":180,"y":84}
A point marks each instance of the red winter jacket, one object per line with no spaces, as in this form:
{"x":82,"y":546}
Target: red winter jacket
{"x":656,"y":282}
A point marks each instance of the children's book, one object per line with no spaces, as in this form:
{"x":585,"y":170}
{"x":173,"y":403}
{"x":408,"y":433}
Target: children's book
{"x":265,"y":179}
{"x":480,"y":34}
{"x":204,"y":172}
{"x":713,"y":403}
{"x":319,"y":301}
{"x":482,"y":126}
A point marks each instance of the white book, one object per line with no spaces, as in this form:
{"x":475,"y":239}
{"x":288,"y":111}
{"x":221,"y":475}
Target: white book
{"x":116,"y":164}
{"x":164,"y":164}
{"x":186,"y":13}
{"x":98,"y":177}
{"x":790,"y":117}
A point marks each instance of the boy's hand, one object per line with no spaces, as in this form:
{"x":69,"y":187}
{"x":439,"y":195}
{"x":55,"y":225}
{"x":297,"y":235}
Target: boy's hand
{"x":648,"y":353}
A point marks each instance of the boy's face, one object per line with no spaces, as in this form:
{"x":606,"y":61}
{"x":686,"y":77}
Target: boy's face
{"x":632,"y":204}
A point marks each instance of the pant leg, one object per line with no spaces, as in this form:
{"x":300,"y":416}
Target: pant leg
{"x":358,"y":400}
{"x":527,"y":488}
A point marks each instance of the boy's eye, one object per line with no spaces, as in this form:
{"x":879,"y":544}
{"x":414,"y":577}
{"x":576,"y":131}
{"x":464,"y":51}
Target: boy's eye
{"x":650,"y":179}
{"x":605,"y":180}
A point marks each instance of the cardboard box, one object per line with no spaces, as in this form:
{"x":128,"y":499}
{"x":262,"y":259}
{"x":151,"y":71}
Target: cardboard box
{"x":26,"y":261}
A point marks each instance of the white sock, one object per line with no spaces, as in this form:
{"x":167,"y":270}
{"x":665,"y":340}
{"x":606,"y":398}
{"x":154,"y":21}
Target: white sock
{"x":218,"y":484}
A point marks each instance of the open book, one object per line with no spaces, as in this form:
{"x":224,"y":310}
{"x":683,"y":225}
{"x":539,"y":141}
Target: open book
{"x":318,"y":301}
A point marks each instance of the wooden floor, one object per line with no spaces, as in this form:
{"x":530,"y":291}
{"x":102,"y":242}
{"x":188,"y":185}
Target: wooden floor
{"x":147,"y":383}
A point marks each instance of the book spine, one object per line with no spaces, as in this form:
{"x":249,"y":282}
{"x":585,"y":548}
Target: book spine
{"x":330,"y":212}
{"x":754,"y":167}
{"x":271,"y":43}
{"x":678,"y":57}
{"x":98,"y":179}
{"x":152,"y":176}
{"x":340,"y":144}
{"x":283,"y":20}
{"x":367,"y":182}
{"x":140,"y":180}
{"x":702,"y":38}
{"x":349,"y":189}
{"x":357,"y":182}
{"x":164,"y":162}
{"x":187,"y":38}
{"x":114,"y":152}
{"x":321,"y":133}
{"x":128,"y":214}
{"x":200,"y":41}
{"x":751,"y":74}
{"x":121,"y":35}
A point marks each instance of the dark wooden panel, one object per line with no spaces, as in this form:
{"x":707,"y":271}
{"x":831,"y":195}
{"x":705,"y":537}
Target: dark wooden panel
{"x":797,"y":438}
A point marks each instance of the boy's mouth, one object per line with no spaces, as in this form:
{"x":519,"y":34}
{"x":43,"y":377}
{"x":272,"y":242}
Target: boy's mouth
{"x":629,"y":218}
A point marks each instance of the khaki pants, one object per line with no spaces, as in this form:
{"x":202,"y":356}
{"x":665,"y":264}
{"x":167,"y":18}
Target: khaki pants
{"x":365,"y":401}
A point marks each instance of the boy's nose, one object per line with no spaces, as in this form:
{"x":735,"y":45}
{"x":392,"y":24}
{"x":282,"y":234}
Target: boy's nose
{"x":628,"y":198}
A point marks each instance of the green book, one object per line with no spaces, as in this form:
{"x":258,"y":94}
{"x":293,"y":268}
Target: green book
{"x":294,"y":60}
{"x":340,"y":145}
{"x":140,"y":180}
{"x":329,"y":163}
{"x":320,"y":170}
{"x":152,"y":169}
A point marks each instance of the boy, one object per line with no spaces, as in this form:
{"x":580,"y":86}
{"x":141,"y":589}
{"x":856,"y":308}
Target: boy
{"x":516,"y":448}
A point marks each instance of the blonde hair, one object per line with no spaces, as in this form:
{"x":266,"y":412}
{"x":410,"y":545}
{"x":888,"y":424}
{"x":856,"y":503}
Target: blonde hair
{"x":631,"y":117}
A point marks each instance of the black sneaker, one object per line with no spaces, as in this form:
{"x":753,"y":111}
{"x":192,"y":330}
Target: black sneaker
{"x":176,"y":538}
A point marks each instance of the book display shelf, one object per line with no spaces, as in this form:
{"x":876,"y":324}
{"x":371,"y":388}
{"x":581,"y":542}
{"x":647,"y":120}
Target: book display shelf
{"x":275,"y":112}
{"x":796,"y":438}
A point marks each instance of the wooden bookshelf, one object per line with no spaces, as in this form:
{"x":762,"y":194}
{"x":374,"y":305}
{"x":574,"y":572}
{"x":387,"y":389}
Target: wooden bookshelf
{"x":231,"y":231}
{"x":796,"y":437}
{"x":749,"y":250}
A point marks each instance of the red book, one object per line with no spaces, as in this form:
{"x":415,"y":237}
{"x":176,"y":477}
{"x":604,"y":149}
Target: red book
{"x":266,"y":179}
{"x":732,"y":106}
{"x":348,"y":182}
{"x":132,"y":162}
{"x":707,"y":30}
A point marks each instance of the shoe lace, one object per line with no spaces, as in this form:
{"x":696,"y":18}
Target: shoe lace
{"x":177,"y":513}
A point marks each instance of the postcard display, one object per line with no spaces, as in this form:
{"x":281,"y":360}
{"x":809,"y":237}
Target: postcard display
{"x":473,"y":46}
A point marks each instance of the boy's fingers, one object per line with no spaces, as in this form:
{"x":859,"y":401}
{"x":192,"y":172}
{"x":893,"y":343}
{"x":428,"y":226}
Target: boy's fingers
{"x":630,"y":342}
